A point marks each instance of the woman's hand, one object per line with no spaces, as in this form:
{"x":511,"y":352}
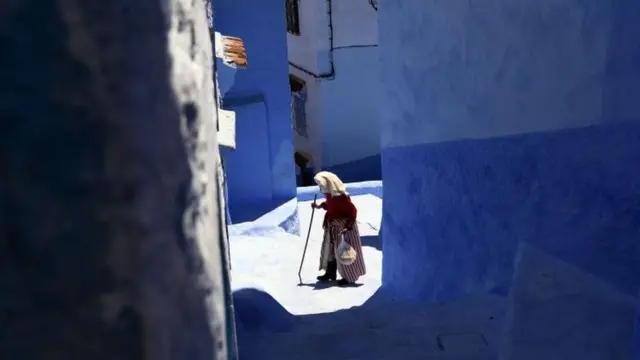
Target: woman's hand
{"x":315,"y":206}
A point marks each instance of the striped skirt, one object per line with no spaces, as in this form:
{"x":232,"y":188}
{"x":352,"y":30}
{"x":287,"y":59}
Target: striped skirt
{"x":330,"y":244}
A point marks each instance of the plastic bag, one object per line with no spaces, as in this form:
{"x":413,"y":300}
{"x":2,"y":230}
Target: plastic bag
{"x":345,"y":253}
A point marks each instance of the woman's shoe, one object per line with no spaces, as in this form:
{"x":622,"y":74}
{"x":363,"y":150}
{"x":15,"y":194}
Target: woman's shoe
{"x":331,"y":273}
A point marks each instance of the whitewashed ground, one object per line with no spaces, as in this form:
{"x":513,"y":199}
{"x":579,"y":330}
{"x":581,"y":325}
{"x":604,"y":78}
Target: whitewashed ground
{"x":268,"y":258}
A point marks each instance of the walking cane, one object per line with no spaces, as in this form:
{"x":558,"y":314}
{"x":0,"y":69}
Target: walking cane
{"x":304,"y":252}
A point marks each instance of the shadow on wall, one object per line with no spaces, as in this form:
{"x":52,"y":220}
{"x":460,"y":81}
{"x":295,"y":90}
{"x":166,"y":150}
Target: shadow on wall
{"x":245,"y":212}
{"x":367,"y":169}
{"x":561,"y":191}
{"x":374,"y":241}
{"x":251,"y":184}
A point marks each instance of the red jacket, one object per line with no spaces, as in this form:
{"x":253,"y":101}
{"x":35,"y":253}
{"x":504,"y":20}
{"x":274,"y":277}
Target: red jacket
{"x":339,"y":207}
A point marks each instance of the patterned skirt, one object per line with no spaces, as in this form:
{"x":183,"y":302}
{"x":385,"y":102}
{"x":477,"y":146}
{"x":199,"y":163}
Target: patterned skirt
{"x":330,"y":244}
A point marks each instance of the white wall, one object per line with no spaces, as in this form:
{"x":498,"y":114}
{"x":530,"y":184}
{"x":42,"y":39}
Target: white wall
{"x":355,"y":22}
{"x":303,"y":49}
{"x":351,"y":128}
{"x":341,"y":112}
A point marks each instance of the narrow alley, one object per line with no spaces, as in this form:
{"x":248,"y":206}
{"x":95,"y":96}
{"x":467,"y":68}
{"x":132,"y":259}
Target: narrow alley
{"x":320,"y":321}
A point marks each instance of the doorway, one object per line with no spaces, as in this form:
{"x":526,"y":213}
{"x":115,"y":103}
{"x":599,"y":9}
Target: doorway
{"x":304,"y":168}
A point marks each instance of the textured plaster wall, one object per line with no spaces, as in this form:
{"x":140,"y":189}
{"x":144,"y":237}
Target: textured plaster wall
{"x":351,"y":126}
{"x":109,"y":245}
{"x":302,"y":49}
{"x":578,"y":169}
{"x":354,"y":23}
{"x":562,"y":64}
{"x":636,"y":339}
{"x":253,"y":182}
{"x":341,"y":109}
{"x":506,"y":124}
{"x":226,"y":77}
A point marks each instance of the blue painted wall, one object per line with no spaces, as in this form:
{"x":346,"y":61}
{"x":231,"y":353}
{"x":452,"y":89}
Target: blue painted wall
{"x":226,"y":77}
{"x":636,"y":341}
{"x":351,"y":127}
{"x":260,"y":173}
{"x":505,"y":123}
{"x":250,"y":157}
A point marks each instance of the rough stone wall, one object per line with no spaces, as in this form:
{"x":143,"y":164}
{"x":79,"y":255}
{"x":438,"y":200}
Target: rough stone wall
{"x":109,"y":214}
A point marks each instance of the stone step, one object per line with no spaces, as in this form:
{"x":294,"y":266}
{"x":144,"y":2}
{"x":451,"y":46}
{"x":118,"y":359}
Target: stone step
{"x":376,"y":344}
{"x":471,"y":314}
{"x":463,"y":330}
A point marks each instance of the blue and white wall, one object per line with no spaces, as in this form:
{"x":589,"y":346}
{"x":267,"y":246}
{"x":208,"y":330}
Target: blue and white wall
{"x":342,"y":110}
{"x":260,"y":172}
{"x":513,"y":127}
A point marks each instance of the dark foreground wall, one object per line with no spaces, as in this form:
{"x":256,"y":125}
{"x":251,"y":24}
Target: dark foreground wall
{"x":636,"y":340}
{"x":108,"y":201}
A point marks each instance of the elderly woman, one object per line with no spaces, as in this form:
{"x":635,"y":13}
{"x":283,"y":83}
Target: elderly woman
{"x":339,"y":220}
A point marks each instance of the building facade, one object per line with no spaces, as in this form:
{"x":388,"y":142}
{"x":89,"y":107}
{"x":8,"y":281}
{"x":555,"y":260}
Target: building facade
{"x":260,"y":171}
{"x":334,"y":80}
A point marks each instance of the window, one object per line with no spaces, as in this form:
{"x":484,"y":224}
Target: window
{"x":293,"y":20}
{"x":298,"y":102}
{"x":298,"y":105}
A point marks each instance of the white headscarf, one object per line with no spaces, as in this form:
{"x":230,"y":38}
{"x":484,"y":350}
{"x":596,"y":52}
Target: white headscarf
{"x":330,"y":183}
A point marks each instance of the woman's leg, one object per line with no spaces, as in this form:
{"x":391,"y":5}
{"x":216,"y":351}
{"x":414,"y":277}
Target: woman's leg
{"x":327,"y":254}
{"x":330,"y":274}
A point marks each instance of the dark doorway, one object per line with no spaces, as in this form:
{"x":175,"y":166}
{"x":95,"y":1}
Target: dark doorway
{"x":303,"y":162}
